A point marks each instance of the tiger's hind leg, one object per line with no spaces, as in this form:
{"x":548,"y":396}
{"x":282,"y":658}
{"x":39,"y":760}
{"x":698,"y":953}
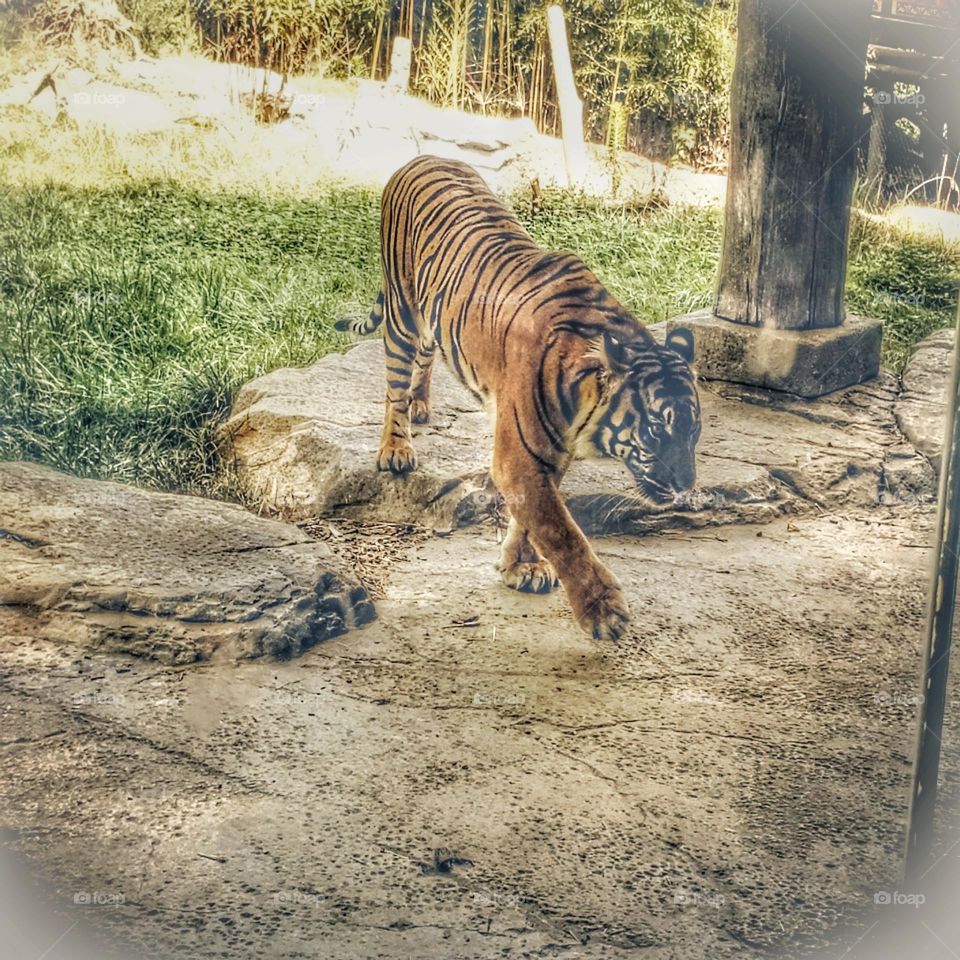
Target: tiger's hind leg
{"x":521,"y":566}
{"x":420,"y":384}
{"x":396,"y":452}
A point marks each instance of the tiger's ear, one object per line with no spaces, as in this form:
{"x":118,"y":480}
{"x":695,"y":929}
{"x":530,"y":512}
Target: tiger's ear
{"x":680,"y":341}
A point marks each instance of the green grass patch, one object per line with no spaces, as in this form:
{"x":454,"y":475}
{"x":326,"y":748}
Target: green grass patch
{"x":908,"y":282}
{"x":130,"y":315}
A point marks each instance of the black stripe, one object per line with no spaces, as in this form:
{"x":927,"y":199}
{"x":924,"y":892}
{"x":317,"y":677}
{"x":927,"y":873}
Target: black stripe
{"x":548,"y":467}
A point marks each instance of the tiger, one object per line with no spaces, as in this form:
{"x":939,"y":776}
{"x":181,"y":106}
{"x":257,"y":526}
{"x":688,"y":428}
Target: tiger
{"x":564,"y":369}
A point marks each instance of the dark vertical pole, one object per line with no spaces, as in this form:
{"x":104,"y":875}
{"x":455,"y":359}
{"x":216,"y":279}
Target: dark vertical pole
{"x":939,"y":634}
{"x":881,"y":121}
{"x":796,"y":104}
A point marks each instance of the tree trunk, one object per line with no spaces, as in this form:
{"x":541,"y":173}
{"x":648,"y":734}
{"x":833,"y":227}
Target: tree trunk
{"x":796,"y":109}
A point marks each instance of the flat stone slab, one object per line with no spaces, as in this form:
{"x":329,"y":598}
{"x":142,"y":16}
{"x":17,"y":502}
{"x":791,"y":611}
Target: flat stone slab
{"x":808,"y":363}
{"x":921,"y":407}
{"x":171,"y":577}
{"x":726,"y":783}
{"x":303,"y":442}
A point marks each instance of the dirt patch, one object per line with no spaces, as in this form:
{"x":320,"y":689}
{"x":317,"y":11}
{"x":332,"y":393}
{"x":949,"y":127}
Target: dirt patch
{"x":369,"y":548}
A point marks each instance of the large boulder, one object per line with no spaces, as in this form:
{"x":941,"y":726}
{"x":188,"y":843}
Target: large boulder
{"x":304,"y":443}
{"x":162,"y":575}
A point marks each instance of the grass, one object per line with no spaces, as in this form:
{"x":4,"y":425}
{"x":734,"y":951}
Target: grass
{"x":129,"y":316}
{"x":908,"y":282}
{"x":131,"y":307}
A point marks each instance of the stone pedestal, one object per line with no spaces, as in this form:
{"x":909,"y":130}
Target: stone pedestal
{"x":808,"y":363}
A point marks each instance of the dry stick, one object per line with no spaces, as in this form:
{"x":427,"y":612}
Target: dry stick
{"x":375,"y":59}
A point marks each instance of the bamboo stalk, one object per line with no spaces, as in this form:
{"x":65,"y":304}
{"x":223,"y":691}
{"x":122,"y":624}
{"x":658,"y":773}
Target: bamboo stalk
{"x":375,"y":59}
{"x":486,"y":64}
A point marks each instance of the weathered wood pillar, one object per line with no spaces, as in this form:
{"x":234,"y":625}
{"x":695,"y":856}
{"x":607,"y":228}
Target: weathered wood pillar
{"x":796,"y":125}
{"x":796,"y":106}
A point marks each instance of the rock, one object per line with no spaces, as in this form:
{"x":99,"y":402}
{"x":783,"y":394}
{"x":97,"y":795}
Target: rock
{"x":161,"y":575}
{"x":808,"y":363}
{"x":921,"y":408}
{"x":304,"y":444}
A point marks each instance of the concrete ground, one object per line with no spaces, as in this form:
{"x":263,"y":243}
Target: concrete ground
{"x":729,"y":781}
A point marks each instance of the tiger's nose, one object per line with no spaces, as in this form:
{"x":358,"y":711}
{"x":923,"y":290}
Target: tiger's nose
{"x":683,"y":482}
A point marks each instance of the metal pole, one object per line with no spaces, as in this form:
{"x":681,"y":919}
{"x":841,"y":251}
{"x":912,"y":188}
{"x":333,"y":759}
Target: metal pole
{"x":938,"y":637}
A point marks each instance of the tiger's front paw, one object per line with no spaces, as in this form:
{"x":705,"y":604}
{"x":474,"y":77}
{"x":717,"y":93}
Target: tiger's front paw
{"x":537,"y":577}
{"x":419,"y":411}
{"x":602,"y":613}
{"x":398,"y":457}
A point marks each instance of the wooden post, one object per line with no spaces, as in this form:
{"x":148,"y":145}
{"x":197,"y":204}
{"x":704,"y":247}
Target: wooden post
{"x":881,"y":121}
{"x":571,"y":107}
{"x":796,"y":108}
{"x":400,"y":57}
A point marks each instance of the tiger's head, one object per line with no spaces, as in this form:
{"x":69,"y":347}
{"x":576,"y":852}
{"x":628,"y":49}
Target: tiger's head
{"x":652,"y":421}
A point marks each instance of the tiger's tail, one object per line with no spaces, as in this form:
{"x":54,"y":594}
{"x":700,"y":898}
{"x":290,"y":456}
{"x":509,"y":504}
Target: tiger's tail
{"x":361,"y":326}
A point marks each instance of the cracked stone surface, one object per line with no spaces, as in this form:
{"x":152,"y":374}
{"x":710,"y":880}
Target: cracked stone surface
{"x":728,"y":781}
{"x":304,"y":445}
{"x":174,"y":578}
{"x":920,"y":407}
